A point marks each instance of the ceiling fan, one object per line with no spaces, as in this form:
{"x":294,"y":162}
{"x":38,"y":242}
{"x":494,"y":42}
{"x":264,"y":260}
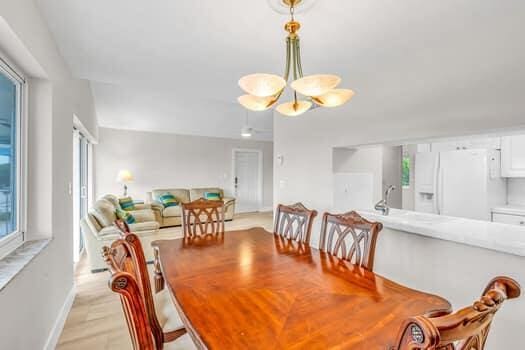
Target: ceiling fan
{"x":247,"y":131}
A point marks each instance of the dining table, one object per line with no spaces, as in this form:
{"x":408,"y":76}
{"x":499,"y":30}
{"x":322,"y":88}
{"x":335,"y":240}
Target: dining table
{"x":253,"y":289}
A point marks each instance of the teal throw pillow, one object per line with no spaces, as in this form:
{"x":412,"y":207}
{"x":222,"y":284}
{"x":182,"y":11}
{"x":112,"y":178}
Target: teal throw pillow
{"x":212,"y":196}
{"x":125,"y":216}
{"x":168,"y":200}
{"x":127,"y":203}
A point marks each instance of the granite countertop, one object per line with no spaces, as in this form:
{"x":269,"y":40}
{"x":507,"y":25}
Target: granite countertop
{"x":510,"y":209}
{"x":490,"y":235}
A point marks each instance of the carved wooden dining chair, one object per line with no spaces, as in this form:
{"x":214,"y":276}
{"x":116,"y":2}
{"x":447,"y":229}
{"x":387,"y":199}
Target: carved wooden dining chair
{"x":294,"y":222}
{"x":127,"y":263}
{"x":202,"y":217}
{"x":350,"y":237}
{"x":465,"y":329}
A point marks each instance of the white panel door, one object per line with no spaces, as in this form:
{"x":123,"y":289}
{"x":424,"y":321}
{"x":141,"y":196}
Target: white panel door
{"x":462,"y":184}
{"x":246,"y":180}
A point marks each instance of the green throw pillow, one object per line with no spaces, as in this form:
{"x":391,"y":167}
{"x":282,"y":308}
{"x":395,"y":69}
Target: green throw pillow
{"x":125,"y":216}
{"x":168,"y":200}
{"x":126,"y":203}
{"x":212,"y":196}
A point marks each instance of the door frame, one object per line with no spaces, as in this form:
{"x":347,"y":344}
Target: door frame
{"x":260,"y":154}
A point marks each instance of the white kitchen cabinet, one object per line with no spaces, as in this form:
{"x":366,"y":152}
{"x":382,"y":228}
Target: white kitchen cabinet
{"x":508,"y":219}
{"x":489,"y":143}
{"x":513,"y":156}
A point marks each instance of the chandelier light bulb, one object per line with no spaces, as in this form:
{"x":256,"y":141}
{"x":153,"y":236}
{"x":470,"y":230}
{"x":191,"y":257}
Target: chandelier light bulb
{"x":315,"y":85}
{"x":293,"y":109}
{"x":262,"y":85}
{"x":334,"y":98}
{"x":257,"y":104}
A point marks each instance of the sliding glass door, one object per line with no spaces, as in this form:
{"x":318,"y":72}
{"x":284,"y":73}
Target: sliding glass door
{"x":81,"y":156}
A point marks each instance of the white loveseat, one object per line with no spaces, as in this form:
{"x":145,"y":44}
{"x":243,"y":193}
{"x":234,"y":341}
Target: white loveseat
{"x":98,"y":229}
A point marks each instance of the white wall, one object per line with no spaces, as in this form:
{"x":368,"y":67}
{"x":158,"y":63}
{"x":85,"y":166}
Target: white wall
{"x":367,"y":160}
{"x":383,"y":163}
{"x":164,"y":160}
{"x":32,"y":301}
{"x":392,"y":174}
{"x":516,"y":191}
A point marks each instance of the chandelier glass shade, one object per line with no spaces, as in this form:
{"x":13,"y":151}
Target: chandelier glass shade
{"x":255,"y":103}
{"x":264,"y":90}
{"x":334,"y":97}
{"x":262,"y":85}
{"x":294,"y":108}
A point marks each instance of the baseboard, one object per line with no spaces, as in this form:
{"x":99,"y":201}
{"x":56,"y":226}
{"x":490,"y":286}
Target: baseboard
{"x":54,"y":335}
{"x":265,"y":209}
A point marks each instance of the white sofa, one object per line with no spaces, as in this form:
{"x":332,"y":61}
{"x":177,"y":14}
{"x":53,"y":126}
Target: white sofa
{"x":98,"y":229}
{"x":172,"y":216}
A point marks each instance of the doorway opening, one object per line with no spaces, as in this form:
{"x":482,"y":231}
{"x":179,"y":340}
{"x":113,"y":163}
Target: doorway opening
{"x":248,"y":179}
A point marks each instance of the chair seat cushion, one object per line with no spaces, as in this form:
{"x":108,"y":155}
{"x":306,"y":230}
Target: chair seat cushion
{"x":182,"y":343}
{"x":172,"y":211}
{"x":167,"y":314}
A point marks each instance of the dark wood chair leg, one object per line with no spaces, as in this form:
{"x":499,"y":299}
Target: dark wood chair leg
{"x":159,"y":279}
{"x":172,"y":335}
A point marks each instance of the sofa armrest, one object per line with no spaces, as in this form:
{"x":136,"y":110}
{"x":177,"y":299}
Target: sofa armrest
{"x":228,"y":201}
{"x":156,"y":206}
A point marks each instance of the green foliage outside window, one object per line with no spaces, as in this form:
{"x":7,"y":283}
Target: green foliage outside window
{"x":405,"y":172}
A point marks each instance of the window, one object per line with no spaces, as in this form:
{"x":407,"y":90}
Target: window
{"x":405,"y":172}
{"x":11,"y":86}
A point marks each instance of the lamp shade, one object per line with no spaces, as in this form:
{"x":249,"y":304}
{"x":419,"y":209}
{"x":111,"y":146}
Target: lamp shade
{"x":255,"y":103}
{"x":124,"y":176}
{"x":293,"y":109}
{"x":315,"y":85}
{"x":262,"y":85}
{"x":334,"y":98}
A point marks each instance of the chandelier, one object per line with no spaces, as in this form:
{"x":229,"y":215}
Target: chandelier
{"x":264,"y":90}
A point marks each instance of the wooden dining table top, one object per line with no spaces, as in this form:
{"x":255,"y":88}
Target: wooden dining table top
{"x":251,"y":289}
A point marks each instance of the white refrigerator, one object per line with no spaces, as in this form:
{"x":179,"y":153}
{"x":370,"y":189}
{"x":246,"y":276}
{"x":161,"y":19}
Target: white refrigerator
{"x":461,"y":183}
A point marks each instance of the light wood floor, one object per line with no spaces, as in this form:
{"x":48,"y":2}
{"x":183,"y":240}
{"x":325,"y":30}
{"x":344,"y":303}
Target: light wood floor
{"x":96,"y":321}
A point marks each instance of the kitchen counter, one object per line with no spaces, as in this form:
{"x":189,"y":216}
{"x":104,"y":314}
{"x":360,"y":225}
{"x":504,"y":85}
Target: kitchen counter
{"x":499,"y":237}
{"x":510,"y":210}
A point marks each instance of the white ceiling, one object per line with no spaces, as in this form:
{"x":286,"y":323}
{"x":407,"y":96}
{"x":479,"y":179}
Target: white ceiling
{"x":173,"y":65}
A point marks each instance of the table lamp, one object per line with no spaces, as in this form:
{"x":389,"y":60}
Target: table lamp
{"x":125,"y":177}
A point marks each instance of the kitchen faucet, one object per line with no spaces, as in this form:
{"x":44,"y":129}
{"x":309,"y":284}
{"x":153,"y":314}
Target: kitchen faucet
{"x":382,"y":205}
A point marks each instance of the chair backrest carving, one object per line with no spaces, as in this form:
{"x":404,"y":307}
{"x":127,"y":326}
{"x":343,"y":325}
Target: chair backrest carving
{"x":351,"y":237}
{"x":202,"y":217}
{"x":294,"y":222}
{"x":465,"y":329}
{"x":125,"y":281}
{"x":126,"y":285}
{"x":127,"y":255}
